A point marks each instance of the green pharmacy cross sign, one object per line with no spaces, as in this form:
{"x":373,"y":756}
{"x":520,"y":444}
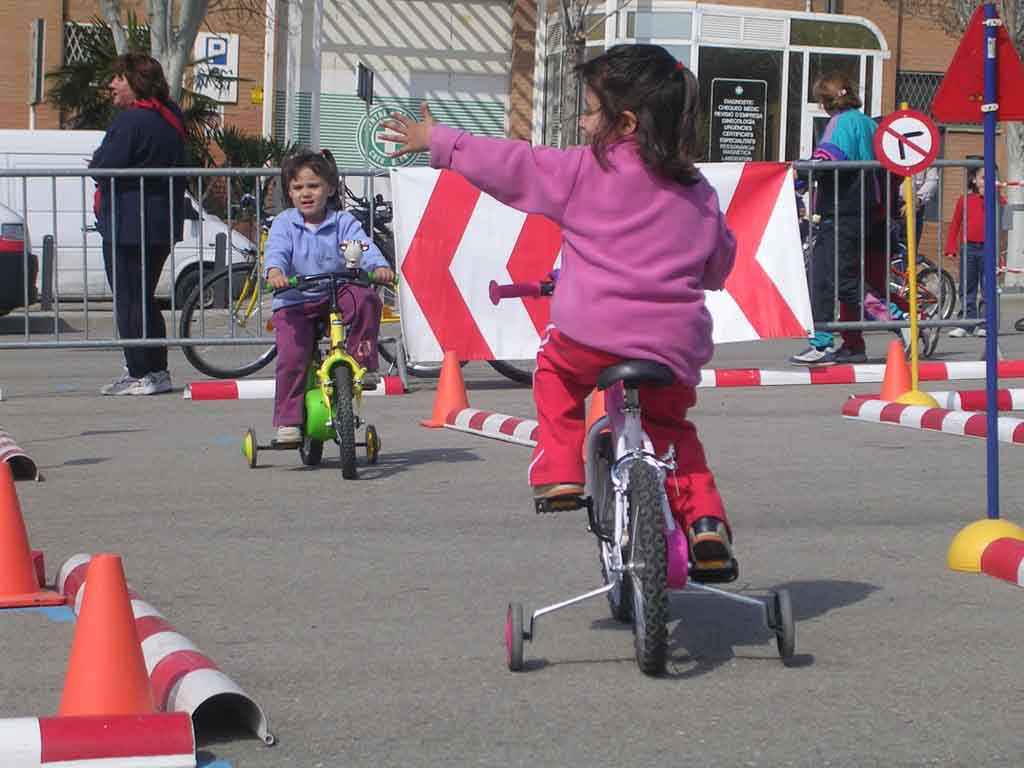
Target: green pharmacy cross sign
{"x":371,"y":147}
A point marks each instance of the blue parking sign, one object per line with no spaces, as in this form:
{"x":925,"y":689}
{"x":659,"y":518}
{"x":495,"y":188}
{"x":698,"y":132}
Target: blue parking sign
{"x":216,"y":51}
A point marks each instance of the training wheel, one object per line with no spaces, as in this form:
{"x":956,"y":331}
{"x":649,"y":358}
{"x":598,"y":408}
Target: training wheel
{"x":249,"y":447}
{"x":782,"y":619}
{"x":372,"y":444}
{"x":514,"y":636}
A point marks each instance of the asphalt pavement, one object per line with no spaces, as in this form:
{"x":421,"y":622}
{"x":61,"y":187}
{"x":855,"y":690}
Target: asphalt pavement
{"x":367,"y":617}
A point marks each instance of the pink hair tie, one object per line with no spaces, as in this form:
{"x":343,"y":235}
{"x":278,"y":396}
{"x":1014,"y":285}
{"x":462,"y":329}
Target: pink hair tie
{"x":680,"y":66}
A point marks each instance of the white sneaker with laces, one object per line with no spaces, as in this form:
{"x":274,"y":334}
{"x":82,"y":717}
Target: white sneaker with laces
{"x":151,"y":384}
{"x":288,"y":435}
{"x":957,"y":333}
{"x":979,"y":331}
{"x":118,"y":385}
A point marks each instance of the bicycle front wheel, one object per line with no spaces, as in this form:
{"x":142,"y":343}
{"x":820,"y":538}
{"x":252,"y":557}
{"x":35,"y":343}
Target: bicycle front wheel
{"x":229,"y":304}
{"x":344,"y":419}
{"x":936,"y":293}
{"x":520,"y":371}
{"x":646,"y":567}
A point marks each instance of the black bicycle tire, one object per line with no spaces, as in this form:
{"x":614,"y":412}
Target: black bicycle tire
{"x":344,"y":420}
{"x":419,"y":370}
{"x":647,"y":548}
{"x":947,"y":290}
{"x":193,"y":353}
{"x":510,"y":370}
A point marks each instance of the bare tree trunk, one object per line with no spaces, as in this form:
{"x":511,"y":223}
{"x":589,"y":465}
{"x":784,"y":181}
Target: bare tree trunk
{"x":111,"y":10}
{"x":574,"y":43}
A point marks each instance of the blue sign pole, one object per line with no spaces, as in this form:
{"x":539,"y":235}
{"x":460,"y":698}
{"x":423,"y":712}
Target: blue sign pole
{"x":991,"y":310}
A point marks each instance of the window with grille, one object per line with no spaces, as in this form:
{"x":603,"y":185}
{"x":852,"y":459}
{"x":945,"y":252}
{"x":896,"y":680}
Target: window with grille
{"x":80,"y":38}
{"x":917,"y":89}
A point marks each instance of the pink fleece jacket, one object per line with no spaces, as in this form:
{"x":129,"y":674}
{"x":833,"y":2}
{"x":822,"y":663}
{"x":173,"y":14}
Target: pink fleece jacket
{"x":638,"y":251}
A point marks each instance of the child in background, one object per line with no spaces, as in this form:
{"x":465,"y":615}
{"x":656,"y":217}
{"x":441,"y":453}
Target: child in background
{"x":642,"y":238}
{"x":308,"y":239}
{"x":970,"y":242}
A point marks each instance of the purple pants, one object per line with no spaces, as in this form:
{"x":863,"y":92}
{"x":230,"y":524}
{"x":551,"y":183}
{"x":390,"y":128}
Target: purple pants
{"x":360,"y":309}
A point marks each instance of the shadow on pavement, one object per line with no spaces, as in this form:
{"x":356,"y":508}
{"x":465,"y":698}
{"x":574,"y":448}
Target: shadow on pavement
{"x":14,"y":324}
{"x":388,"y":464}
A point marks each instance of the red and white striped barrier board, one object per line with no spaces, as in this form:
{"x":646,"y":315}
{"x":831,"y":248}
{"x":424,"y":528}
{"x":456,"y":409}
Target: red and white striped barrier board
{"x":496,"y":425}
{"x":263,"y":389}
{"x":22,"y":466}
{"x":851,"y":374}
{"x":118,"y":741}
{"x":452,"y":240}
{"x":964,"y":423}
{"x":183,"y":678}
{"x":1004,"y":559}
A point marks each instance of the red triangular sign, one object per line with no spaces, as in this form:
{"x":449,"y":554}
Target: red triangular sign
{"x":961,"y":93}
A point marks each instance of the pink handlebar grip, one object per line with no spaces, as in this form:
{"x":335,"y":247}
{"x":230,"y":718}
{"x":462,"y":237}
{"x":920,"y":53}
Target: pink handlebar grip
{"x":511,"y":290}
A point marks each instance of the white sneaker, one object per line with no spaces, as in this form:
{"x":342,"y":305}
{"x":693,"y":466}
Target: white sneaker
{"x":288,"y":435}
{"x":957,"y":333}
{"x":119,"y":384}
{"x":151,"y":384}
{"x":979,"y":331}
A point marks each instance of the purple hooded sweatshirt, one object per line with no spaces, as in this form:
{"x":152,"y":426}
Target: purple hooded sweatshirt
{"x":638,"y":251}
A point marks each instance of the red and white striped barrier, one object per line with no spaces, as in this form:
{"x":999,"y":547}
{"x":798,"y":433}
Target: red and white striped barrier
{"x":183,"y":678}
{"x":117,"y":741}
{"x":975,"y":399}
{"x":263,"y":389}
{"x":964,"y":423}
{"x":851,"y":374}
{"x":22,"y":465}
{"x":1004,"y":559}
{"x":496,"y":425}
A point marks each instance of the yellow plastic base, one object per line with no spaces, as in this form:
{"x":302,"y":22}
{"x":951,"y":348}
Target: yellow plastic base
{"x":917,"y":397}
{"x":967,"y":546}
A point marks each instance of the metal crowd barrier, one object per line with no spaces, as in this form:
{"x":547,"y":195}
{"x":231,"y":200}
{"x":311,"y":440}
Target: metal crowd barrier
{"x":46,"y":327}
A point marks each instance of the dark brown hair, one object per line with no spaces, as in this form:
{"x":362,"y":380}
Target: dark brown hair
{"x":836,"y":92}
{"x":144,"y":74}
{"x":647,"y":81}
{"x":321,"y":163}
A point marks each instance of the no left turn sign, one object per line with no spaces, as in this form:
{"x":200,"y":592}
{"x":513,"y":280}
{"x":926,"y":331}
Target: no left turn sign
{"x":906,"y":142}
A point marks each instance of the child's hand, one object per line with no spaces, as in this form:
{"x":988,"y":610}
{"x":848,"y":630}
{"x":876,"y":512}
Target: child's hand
{"x":383,"y":275}
{"x":276,"y":278}
{"x":412,"y":135}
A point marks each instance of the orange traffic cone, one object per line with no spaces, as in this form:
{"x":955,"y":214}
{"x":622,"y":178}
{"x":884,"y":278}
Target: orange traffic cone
{"x":106,"y":672}
{"x":595,"y":410}
{"x":451,"y":391}
{"x":19,"y":582}
{"x":897,"y":374}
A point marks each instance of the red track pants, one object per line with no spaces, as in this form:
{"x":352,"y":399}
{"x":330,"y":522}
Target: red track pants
{"x":566,"y":373}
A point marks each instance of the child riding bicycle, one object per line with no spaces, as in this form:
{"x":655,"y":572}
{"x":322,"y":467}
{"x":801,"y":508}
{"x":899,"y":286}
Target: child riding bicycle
{"x":308,"y":239}
{"x":643,"y":238}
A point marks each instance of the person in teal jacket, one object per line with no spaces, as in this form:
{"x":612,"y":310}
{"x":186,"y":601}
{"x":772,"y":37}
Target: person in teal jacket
{"x":838,"y":199}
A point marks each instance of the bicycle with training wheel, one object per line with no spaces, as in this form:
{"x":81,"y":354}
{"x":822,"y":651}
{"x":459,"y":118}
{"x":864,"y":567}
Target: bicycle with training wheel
{"x":334,"y":387}
{"x":643,"y":553}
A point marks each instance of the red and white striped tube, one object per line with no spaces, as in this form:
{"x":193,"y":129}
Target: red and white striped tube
{"x":183,"y":678}
{"x":850,"y":374}
{"x":972,"y":399}
{"x":22,"y":465}
{"x":263,"y":389}
{"x":497,"y":425}
{"x":964,"y":423}
{"x":1004,"y":559}
{"x":164,"y":740}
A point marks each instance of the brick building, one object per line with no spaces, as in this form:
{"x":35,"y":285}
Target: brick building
{"x":488,"y":65}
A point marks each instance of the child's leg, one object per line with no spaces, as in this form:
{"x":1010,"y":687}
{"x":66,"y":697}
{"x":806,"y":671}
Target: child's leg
{"x":565,"y":375}
{"x":294,"y":327}
{"x":360,"y":309}
{"x":691,"y":490}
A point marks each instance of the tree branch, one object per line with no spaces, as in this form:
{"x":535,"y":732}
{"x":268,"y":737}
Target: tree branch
{"x":111,"y":10}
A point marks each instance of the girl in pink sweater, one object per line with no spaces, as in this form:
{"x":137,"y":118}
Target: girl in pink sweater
{"x":642,"y":238}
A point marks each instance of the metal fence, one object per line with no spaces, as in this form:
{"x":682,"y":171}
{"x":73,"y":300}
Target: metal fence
{"x":53,"y":211}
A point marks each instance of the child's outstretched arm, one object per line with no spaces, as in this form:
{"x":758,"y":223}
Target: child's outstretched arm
{"x":531,"y":179}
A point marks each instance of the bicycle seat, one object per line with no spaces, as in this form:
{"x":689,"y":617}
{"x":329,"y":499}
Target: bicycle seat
{"x":633,"y":373}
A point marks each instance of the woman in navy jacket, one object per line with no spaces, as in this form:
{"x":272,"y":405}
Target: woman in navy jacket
{"x":148,"y":133}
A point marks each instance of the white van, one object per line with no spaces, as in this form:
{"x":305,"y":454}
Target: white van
{"x":78,"y":252}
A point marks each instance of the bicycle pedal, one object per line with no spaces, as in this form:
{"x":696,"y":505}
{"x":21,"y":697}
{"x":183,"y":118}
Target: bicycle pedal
{"x":715,"y":571}
{"x":561,"y":504}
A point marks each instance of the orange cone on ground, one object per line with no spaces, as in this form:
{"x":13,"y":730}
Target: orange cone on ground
{"x":897,"y":373}
{"x":595,"y":410}
{"x":106,"y":672}
{"x":451,"y":391}
{"x":19,"y":582}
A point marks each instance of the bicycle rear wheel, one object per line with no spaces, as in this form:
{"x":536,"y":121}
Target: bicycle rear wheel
{"x":520,"y":371}
{"x":937,"y":290}
{"x":229,"y":304}
{"x":646,"y":567}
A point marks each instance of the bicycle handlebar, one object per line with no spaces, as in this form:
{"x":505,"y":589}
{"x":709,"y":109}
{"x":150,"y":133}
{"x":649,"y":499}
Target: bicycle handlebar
{"x":353,"y":276}
{"x":511,"y":290}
